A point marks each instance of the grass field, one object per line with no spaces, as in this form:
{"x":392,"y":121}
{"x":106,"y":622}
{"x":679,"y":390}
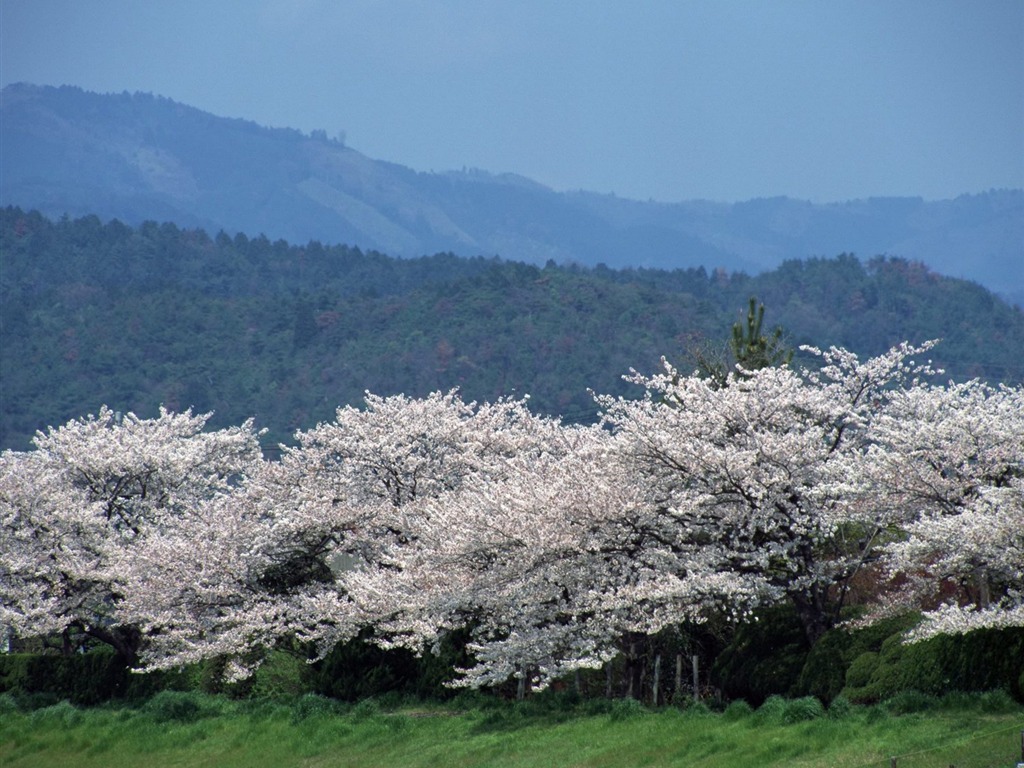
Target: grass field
{"x":194,"y":730}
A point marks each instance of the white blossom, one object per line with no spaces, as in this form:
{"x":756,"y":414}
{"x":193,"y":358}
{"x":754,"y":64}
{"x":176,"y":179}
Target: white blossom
{"x":550,"y":544}
{"x":74,"y":510}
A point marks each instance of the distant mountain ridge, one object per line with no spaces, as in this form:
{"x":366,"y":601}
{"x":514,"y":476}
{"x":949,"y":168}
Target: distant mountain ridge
{"x":139,"y":157}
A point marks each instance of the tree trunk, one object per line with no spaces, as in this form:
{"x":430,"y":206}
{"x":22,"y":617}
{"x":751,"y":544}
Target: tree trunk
{"x":126,"y":641}
{"x":657,"y":680}
{"x":984,"y":591}
{"x":696,"y":678}
{"x":66,"y":649}
{"x":633,"y":671}
{"x":812,"y":609}
{"x":679,"y":679}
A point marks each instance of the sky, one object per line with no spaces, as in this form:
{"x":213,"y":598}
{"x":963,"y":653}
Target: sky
{"x":668,"y":100}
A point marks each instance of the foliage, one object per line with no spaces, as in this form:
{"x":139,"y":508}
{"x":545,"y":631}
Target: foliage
{"x":906,"y":702}
{"x":281,"y":676}
{"x":826,"y":670}
{"x":764,"y":477}
{"x":749,"y":349}
{"x":805,"y":708}
{"x":78,"y":509}
{"x":737,"y":710}
{"x":94,"y":312}
{"x":765,"y":657}
{"x":545,"y":546}
{"x":953,"y":461}
{"x":83,"y":679}
{"x":314,"y":705}
{"x":181,"y":706}
{"x":839,"y":708}
{"x":357,"y":669}
{"x":771,"y":710}
{"x":625,"y":709}
{"x":982,"y":660}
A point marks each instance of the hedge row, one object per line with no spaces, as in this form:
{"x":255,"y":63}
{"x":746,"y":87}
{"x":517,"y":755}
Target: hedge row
{"x":765,"y":658}
{"x":353,"y":671}
{"x":84,"y":679}
{"x":866,"y":665}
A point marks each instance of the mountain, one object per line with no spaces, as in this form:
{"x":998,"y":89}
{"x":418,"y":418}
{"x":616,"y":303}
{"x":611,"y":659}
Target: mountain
{"x":137,"y":157}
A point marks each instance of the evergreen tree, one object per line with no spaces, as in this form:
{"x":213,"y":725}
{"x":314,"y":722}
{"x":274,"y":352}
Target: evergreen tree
{"x":749,"y":349}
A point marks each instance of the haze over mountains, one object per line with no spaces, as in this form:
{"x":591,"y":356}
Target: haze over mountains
{"x":139,"y":157}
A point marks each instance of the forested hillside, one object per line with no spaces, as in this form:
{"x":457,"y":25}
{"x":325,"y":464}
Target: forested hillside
{"x":133,"y":317}
{"x":137,"y":156}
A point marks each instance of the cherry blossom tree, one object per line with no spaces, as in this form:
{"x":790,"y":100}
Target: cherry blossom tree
{"x":763,"y":473}
{"x":952,"y":457}
{"x":551,"y":545}
{"x":92,"y":491}
{"x":554,"y":544}
{"x":239,"y":573}
{"x":338,"y":505}
{"x":551,"y":567}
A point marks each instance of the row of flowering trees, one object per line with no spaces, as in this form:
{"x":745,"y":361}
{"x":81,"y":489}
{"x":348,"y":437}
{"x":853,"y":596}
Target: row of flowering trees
{"x":549,"y":544}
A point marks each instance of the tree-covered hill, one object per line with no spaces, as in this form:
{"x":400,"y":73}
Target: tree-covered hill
{"x":98,"y":313}
{"x":138,"y":157}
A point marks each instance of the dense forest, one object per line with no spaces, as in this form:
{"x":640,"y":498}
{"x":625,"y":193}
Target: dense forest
{"x":100,"y":313}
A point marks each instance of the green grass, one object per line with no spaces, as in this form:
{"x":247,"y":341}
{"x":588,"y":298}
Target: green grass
{"x":194,"y":730}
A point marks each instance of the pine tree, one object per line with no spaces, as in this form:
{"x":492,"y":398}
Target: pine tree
{"x":749,"y":349}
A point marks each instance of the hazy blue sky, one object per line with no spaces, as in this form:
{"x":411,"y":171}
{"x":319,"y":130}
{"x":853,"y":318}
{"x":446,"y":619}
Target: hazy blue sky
{"x":667,"y":99}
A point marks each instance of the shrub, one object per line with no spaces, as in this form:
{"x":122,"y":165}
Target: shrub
{"x":29,"y":702}
{"x":998,"y":702}
{"x":281,"y":675}
{"x":358,"y":669}
{"x":861,"y":670}
{"x":824,"y":673}
{"x":839,"y":708}
{"x":84,"y":679}
{"x":552,"y":700}
{"x":771,"y":711}
{"x":876,"y":713}
{"x":366,"y":709}
{"x":905,"y":702}
{"x":392,"y":700}
{"x":738,"y":710}
{"x":982,"y":660}
{"x":209,"y":676}
{"x":472,"y":698}
{"x":697,"y":708}
{"x":956,"y":700}
{"x":625,"y":709}
{"x":63,"y":713}
{"x":181,"y":707}
{"x":314,"y":705}
{"x":8,"y":704}
{"x":805,"y":708}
